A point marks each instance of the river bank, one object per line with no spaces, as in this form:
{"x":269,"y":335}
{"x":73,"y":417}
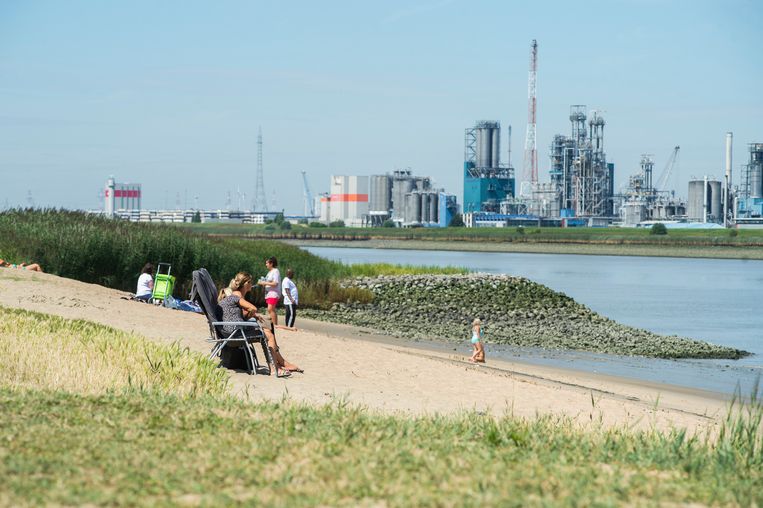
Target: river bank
{"x":516,"y":312}
{"x":356,"y":366}
{"x":584,"y":248}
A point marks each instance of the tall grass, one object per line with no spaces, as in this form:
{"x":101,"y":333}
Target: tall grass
{"x":112,"y":252}
{"x":48,"y":352}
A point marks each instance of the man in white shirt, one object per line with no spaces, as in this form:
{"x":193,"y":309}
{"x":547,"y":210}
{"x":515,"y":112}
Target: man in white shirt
{"x":290,"y":299}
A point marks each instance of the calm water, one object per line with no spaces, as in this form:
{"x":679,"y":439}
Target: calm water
{"x":718,"y":300}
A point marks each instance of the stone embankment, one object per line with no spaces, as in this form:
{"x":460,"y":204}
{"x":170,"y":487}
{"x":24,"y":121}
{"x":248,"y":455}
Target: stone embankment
{"x":515,"y":311}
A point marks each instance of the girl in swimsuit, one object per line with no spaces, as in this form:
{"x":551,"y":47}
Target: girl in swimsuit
{"x":478,"y":356}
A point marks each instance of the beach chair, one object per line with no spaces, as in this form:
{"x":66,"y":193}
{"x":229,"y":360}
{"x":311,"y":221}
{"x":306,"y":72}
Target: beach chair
{"x":204,"y":293}
{"x":163,"y":283}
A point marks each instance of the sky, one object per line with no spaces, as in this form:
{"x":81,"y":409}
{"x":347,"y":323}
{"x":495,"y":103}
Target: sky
{"x":171,"y":94}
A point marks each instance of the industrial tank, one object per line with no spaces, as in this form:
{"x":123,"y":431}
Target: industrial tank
{"x":488,"y":144}
{"x":401,"y":186}
{"x":424,"y":207}
{"x":714,"y":194}
{"x":433,"y":204}
{"x":695,"y":205}
{"x":413,"y":208}
{"x":381,"y":194}
{"x":634,"y":212}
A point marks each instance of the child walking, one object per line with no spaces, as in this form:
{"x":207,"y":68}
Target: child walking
{"x":478,"y":356}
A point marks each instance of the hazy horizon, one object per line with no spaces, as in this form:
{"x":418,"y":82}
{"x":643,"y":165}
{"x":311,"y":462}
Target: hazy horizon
{"x":171,"y":94}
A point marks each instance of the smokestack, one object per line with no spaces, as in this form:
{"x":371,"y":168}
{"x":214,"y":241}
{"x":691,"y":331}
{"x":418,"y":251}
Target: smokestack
{"x":727,"y":193}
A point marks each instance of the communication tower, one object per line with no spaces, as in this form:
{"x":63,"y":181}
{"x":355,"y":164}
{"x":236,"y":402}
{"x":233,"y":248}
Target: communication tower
{"x":260,"y":202}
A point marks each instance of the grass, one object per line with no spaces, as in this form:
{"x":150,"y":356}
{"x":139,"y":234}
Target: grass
{"x":48,"y":352}
{"x":604,"y":236}
{"x":160,"y":442}
{"x":112,"y":252}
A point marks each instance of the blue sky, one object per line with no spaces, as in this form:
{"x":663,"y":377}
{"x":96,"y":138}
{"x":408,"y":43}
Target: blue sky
{"x":171,"y":94}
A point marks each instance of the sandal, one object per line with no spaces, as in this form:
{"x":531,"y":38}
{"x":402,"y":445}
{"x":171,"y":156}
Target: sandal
{"x":283,"y":373}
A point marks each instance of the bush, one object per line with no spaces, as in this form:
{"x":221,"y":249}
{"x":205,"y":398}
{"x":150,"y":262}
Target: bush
{"x":389,"y":223}
{"x":196,"y":217}
{"x":520,"y":230}
{"x":317,"y":225}
{"x":457,"y":221}
{"x":733,"y":233}
{"x":658,"y":229}
{"x":337,"y":224}
{"x":286,"y":225}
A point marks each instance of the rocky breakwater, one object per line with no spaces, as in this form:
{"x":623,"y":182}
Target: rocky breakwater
{"x":515,"y":311}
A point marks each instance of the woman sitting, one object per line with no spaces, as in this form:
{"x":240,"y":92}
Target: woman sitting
{"x":145,"y":289}
{"x":236,"y":308}
{"x":33,"y":267}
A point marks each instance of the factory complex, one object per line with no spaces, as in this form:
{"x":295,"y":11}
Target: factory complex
{"x":580,"y":189}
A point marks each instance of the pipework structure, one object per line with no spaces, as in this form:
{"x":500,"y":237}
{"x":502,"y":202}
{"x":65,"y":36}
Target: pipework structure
{"x":579,"y":168}
{"x":487,"y":182}
{"x":750,"y":196}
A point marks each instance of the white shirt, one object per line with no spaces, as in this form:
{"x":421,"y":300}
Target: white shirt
{"x":273,"y":291}
{"x":145,"y":285}
{"x":289,"y":289}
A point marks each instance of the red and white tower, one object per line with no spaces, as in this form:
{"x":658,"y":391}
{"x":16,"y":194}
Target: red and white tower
{"x":530,"y":167}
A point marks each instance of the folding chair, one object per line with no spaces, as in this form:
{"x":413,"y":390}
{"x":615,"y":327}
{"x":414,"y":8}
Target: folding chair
{"x":163,"y":283}
{"x":204,"y":293}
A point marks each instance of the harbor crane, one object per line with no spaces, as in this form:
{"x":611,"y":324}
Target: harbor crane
{"x":662,"y":182}
{"x":309,"y":206}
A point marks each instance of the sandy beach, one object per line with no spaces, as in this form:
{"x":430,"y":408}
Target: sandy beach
{"x":357,"y":366}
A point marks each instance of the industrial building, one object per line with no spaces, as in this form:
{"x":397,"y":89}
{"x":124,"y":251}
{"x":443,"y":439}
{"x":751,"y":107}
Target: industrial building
{"x":121,"y":196}
{"x":579,"y":169}
{"x":646,"y":200}
{"x":750,"y":196}
{"x":487,"y":182}
{"x":347,"y":200}
{"x":409,"y":201}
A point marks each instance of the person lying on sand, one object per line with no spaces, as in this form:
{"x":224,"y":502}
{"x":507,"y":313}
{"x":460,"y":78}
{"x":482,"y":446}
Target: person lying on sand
{"x":235,"y":308}
{"x":34,"y":267}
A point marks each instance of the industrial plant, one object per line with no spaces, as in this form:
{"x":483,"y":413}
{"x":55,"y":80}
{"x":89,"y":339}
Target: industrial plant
{"x":580,"y":189}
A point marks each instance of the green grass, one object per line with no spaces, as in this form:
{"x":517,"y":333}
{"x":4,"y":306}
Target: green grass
{"x":162,"y":444}
{"x":603,"y":236}
{"x":146,"y":449}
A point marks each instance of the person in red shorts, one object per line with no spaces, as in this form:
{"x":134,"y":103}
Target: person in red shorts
{"x":272,"y":284}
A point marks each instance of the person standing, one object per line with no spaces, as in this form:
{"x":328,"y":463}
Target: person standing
{"x":478,"y":355}
{"x":290,"y":299}
{"x":145,"y":283}
{"x":272,"y":284}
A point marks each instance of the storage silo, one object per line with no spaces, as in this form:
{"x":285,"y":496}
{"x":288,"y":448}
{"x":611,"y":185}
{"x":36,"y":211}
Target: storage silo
{"x":433,"y":204}
{"x":487,"y":144}
{"x":714,"y":202}
{"x":402,"y":185}
{"x":425,"y":207}
{"x":695,"y":206}
{"x":413,"y":208}
{"x":381,"y":194}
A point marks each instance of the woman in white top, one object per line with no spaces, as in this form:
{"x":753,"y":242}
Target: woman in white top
{"x":145,"y":283}
{"x":272,"y":284}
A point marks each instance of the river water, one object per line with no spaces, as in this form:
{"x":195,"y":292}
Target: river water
{"x":718,"y":300}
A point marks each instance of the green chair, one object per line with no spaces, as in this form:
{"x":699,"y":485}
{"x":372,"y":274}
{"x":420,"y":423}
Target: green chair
{"x":163,"y":283}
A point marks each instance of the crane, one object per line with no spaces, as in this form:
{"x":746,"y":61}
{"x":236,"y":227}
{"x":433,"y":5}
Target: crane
{"x":309,"y":207}
{"x":662,"y":182}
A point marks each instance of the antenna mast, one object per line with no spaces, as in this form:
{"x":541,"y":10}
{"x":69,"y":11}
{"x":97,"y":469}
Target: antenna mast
{"x":530,"y":168}
{"x":260,"y":202}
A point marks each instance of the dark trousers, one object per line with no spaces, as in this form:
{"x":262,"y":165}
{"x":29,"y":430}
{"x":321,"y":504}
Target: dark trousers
{"x":291,"y":314}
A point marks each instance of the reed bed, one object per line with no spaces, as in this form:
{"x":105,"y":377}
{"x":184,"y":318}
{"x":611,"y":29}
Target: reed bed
{"x":109,"y":252}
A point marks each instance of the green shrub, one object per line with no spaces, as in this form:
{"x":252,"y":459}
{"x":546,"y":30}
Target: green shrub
{"x":285,"y":225}
{"x":337,"y":224}
{"x":658,"y":229}
{"x":389,"y":223}
{"x":457,"y":221}
{"x":317,"y":225}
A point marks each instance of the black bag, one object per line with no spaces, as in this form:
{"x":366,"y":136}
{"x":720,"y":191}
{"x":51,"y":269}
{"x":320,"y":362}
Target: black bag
{"x":233,"y":357}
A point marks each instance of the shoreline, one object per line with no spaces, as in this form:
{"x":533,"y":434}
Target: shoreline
{"x":538,"y":248}
{"x":348,"y":365}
